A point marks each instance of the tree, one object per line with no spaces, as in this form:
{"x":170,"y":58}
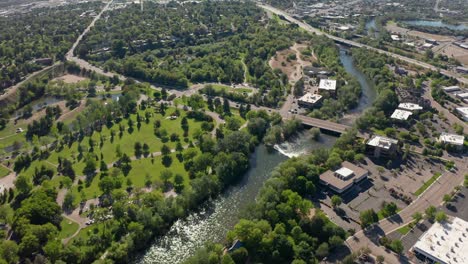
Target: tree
{"x":322,"y":251}
{"x":447,"y":198}
{"x":178,"y":183}
{"x":23,"y":185}
{"x":226,"y":107}
{"x":441,"y":217}
{"x":9,"y":251}
{"x":90,"y":167}
{"x":336,"y":201}
{"x":368,"y":217}
{"x":166,"y":175}
{"x":138,"y":149}
{"x":380,"y":259}
{"x":165,"y":150}
{"x":417,"y":217}
{"x":397,"y":246}
{"x":68,"y":201}
{"x":430,"y":212}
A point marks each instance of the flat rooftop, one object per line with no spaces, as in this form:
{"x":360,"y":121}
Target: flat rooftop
{"x":382,"y":142}
{"x":401,"y":114}
{"x":446,"y":242}
{"x":452,"y":139}
{"x":344,"y":177}
{"x":451,"y":88}
{"x":327,"y":84}
{"x":310,"y":98}
{"x":410,"y":106}
{"x":463,"y":110}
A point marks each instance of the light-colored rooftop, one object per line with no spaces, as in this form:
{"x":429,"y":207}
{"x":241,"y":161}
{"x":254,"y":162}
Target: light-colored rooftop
{"x":338,"y":180}
{"x":446,"y":242}
{"x":327,"y":84}
{"x":462,"y":95}
{"x":310,"y":98}
{"x":463,"y":111}
{"x":344,"y":172}
{"x":452,"y":139}
{"x":382,"y":142}
{"x":451,"y":88}
{"x":401,"y":114}
{"x":410,"y":106}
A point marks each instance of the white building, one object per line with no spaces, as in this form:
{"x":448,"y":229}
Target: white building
{"x":445,"y":243}
{"x":309,"y":100}
{"x":327,"y":84}
{"x":463,"y":111}
{"x":450,"y":89}
{"x":395,"y":37}
{"x":382,"y":146}
{"x":410,"y":107}
{"x":401,"y":114}
{"x":462,"y":95}
{"x":452,"y":139}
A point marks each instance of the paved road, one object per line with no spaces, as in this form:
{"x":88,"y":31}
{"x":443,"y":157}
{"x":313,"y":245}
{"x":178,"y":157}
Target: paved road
{"x":360,"y":45}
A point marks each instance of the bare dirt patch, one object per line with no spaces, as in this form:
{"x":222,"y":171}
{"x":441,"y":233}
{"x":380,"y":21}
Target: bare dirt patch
{"x":394,"y":28}
{"x":455,"y":52}
{"x":292,"y":67}
{"x":70,"y":78}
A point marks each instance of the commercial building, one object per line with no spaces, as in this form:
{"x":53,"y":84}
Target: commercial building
{"x":328,"y":85}
{"x":380,"y":146}
{"x":452,"y":139}
{"x":309,"y":100}
{"x":344,"y":178}
{"x":445,"y":243}
{"x":401,"y":114}
{"x":395,"y":37}
{"x":451,"y":89}
{"x":410,"y":107}
{"x":462,"y":95}
{"x":463,"y":70}
{"x":463,"y":111}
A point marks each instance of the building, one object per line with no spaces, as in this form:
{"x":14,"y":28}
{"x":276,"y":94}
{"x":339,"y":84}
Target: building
{"x":328,"y":85}
{"x":463,"y":70}
{"x":380,"y":146}
{"x":462,"y":95}
{"x":445,"y":243}
{"x":410,"y":107}
{"x":463,"y":111}
{"x":451,"y":89}
{"x":452,"y":139}
{"x":395,"y":37}
{"x":344,"y":178}
{"x":401,"y":114}
{"x":309,"y":100}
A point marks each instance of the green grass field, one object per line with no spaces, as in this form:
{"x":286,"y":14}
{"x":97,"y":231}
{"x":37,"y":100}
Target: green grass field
{"x":68,"y":228}
{"x":427,"y":184}
{"x":404,"y":230}
{"x":4,"y":171}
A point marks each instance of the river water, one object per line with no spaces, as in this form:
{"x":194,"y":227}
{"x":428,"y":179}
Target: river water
{"x":369,"y":93}
{"x":370,"y":24}
{"x":219,"y":216}
{"x":436,"y":23}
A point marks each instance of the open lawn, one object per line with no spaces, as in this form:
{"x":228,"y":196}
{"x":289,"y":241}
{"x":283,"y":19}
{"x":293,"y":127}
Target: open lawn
{"x":404,"y":230}
{"x":3,"y":171}
{"x":68,"y":228}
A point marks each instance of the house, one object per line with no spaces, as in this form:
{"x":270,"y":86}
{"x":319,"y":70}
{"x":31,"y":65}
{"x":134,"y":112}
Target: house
{"x":410,"y":107}
{"x":327,"y":85}
{"x":463,"y":111}
{"x":452,"y":140}
{"x":444,"y":243}
{"x":344,"y":178}
{"x":401,"y":114}
{"x":462,"y":95}
{"x":309,"y":100}
{"x":380,"y":146}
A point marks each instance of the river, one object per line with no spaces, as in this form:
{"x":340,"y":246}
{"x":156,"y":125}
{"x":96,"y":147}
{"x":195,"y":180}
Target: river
{"x":436,"y":23}
{"x":217,"y":217}
{"x":368,"y":94}
{"x":371,"y":27}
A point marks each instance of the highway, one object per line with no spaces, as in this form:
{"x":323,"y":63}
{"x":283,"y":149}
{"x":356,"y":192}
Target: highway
{"x":360,"y":45}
